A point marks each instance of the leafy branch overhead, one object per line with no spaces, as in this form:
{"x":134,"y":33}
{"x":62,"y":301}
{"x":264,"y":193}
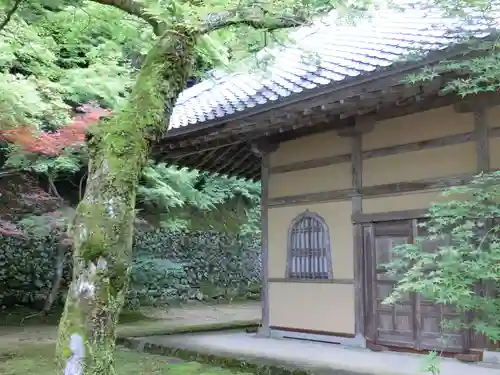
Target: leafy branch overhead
{"x":10,"y":13}
{"x":256,"y":18}
{"x":254,"y":15}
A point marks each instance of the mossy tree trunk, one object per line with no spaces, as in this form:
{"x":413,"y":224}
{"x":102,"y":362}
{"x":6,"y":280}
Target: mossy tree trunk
{"x":103,"y":227}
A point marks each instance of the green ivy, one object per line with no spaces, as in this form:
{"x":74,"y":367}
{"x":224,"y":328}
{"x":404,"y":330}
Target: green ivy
{"x":27,"y":270}
{"x":202,"y":265}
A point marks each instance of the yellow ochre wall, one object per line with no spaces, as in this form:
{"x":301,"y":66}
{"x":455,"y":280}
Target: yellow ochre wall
{"x":329,"y":307}
{"x":317,"y":307}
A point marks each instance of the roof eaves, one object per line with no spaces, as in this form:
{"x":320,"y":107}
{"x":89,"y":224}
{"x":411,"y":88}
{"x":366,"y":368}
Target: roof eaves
{"x":8,"y":173}
{"x":432,"y":58}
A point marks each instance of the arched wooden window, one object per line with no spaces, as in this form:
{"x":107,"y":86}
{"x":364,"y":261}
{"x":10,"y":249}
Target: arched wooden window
{"x":309,"y":253}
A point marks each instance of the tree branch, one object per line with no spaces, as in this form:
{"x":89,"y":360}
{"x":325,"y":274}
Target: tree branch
{"x":10,"y":13}
{"x":53,"y":188}
{"x":137,"y":9}
{"x":254,"y":17}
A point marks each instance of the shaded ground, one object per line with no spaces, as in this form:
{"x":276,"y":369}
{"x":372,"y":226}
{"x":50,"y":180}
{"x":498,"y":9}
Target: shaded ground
{"x":38,"y":359}
{"x":21,"y":194}
{"x":153,"y":321}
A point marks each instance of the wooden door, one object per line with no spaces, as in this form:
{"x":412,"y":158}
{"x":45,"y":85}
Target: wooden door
{"x":390,"y":325}
{"x":414,"y":322}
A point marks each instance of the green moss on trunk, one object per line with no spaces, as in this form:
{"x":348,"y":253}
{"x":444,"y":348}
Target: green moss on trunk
{"x":103,"y":227}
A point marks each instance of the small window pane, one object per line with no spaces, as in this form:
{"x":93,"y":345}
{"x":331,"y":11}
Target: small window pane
{"x":309,"y":252}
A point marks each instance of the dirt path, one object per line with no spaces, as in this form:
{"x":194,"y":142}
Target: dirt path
{"x":196,"y":314}
{"x":201,"y":313}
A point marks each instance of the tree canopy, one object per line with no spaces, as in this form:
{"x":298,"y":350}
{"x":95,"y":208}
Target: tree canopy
{"x":64,"y":65}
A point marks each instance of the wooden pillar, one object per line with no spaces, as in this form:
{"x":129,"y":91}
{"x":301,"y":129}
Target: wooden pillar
{"x":263,"y":150}
{"x":357,"y":208}
{"x":265,"y":245}
{"x":482,"y":165}
{"x":481,"y":139}
{"x":362,"y":125}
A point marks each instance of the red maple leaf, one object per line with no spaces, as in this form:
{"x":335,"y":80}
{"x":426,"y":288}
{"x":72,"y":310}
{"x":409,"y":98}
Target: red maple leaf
{"x":53,"y":143}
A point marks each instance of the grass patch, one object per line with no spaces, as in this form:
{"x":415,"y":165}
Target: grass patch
{"x":235,"y":363}
{"x":39,"y":359}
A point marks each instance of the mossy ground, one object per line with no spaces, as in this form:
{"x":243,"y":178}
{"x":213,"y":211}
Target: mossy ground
{"x":39,"y":359}
{"x":27,"y":345}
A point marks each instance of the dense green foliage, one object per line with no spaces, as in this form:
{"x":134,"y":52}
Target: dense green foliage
{"x":168,"y":267}
{"x":58,"y":64}
{"x":467,"y":259}
{"x":49,"y":62}
{"x":177,"y":199}
{"x":479,"y":74}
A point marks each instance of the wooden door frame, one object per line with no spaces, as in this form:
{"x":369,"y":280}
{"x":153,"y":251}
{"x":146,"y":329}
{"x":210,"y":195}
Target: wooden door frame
{"x":371,"y":317}
{"x":367,"y":223}
{"x":367,"y":232}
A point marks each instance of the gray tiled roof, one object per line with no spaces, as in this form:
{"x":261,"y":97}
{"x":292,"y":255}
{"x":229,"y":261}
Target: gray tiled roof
{"x":346,"y":52}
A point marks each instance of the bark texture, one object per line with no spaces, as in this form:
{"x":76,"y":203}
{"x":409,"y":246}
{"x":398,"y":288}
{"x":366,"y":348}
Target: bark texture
{"x":56,"y":284}
{"x":103,"y":228}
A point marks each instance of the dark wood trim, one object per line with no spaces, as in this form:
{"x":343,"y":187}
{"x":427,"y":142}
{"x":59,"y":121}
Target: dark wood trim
{"x":10,"y":172}
{"x":175,"y":154}
{"x":309,"y":164}
{"x":357,"y":183}
{"x":313,"y":332}
{"x":371,"y":303}
{"x":473,"y":103}
{"x":418,"y":185}
{"x":262,"y":147}
{"x":449,"y":140}
{"x":363,"y":124}
{"x":357,"y":165}
{"x":311,"y":281}
{"x":361,"y":218}
{"x":482,"y":140}
{"x":326,"y":196}
{"x":373,"y":191}
{"x":319,"y":120}
{"x":265,"y":244}
{"x":214,"y":163}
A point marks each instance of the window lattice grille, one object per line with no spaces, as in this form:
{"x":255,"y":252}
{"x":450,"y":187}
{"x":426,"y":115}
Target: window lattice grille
{"x":309,"y":252}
